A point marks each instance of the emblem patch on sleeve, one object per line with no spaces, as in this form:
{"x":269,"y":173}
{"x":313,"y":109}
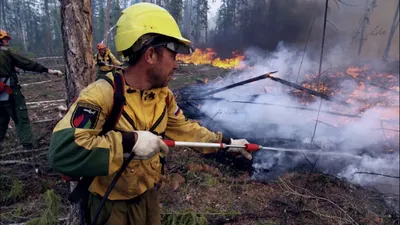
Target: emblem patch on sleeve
{"x":85,"y":116}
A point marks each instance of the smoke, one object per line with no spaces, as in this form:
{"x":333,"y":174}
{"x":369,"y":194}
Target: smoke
{"x":264,"y":24}
{"x":283,"y":121}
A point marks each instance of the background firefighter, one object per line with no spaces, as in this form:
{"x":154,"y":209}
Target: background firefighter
{"x":149,"y":36}
{"x":12,"y":102}
{"x":105,"y":60}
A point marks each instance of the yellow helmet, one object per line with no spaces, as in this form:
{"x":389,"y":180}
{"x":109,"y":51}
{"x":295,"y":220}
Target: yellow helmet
{"x":145,"y":18}
{"x":3,"y":34}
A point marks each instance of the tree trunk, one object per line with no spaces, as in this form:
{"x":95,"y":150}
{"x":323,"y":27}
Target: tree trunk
{"x":125,"y":4}
{"x":362,"y":32}
{"x":107,"y":22}
{"x":395,"y":24}
{"x":369,"y":8}
{"x":187,"y":18}
{"x":76,"y":25}
{"x":47,"y":30}
{"x":3,"y":6}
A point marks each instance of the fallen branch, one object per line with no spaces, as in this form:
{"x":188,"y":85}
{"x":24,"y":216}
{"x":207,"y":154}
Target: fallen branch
{"x":286,"y":188}
{"x":46,"y":107}
{"x":46,"y":102}
{"x":44,"y":121}
{"x":378,"y":174}
{"x":50,"y":57}
{"x":41,"y":82}
{"x":261,"y":77}
{"x":279,"y":105}
{"x":386,"y":129}
{"x":60,"y":219}
{"x":34,"y":97}
{"x":327,"y":124}
{"x":12,"y":162}
{"x":23,"y":151}
{"x":22,"y":161}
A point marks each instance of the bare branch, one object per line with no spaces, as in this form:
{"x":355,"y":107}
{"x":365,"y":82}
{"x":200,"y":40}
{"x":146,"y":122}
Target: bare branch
{"x":22,"y":161}
{"x":44,"y":121}
{"x":378,"y":174}
{"x":46,"y":102}
{"x":23,"y":151}
{"x":332,"y":25}
{"x":60,"y":219}
{"x":344,"y":3}
{"x":286,"y":188}
{"x":41,"y":82}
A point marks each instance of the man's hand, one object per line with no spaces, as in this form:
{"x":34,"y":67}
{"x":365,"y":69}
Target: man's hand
{"x":148,"y":145}
{"x":242,"y":151}
{"x":55,"y":72}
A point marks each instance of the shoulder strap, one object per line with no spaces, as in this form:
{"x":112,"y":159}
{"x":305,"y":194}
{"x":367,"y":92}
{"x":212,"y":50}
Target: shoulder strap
{"x":119,"y":100}
{"x":118,"y":104}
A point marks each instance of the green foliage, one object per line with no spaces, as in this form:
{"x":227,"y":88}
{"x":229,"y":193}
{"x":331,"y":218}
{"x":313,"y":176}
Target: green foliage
{"x":265,"y":223}
{"x":52,"y":211}
{"x":210,"y":180}
{"x":16,"y":192}
{"x":187,"y":217}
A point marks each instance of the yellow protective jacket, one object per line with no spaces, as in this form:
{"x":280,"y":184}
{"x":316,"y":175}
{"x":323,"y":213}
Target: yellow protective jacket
{"x":76,"y":149}
{"x":107,"y":59}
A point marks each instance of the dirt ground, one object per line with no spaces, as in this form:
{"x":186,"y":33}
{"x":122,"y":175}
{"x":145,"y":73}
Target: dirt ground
{"x":196,"y":189}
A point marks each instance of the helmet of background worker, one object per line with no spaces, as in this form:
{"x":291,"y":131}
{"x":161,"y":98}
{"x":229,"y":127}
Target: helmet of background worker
{"x":101,"y":46}
{"x":4,"y":38}
{"x":3,"y":34}
{"x":141,"y":22}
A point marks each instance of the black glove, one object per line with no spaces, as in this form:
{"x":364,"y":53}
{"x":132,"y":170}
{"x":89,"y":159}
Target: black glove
{"x":101,"y":64}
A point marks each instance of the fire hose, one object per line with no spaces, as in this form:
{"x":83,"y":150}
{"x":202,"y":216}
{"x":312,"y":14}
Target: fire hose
{"x":247,"y":147}
{"x":256,"y":147}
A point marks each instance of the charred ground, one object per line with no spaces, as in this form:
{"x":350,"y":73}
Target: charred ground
{"x":196,"y":189}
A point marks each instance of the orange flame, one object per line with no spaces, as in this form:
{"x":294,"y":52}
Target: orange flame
{"x":371,"y":89}
{"x":209,"y":56}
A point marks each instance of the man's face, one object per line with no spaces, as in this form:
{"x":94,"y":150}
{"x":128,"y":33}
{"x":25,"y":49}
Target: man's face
{"x":102,"y":51}
{"x":162,"y":71}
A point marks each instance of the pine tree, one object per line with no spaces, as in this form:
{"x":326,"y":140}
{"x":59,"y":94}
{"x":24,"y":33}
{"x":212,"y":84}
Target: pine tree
{"x":175,"y":7}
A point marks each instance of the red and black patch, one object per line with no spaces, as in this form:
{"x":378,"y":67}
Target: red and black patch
{"x":85,"y":116}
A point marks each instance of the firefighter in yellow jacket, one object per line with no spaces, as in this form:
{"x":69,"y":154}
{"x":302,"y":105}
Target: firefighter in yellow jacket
{"x":149,"y":36}
{"x":105,"y":60}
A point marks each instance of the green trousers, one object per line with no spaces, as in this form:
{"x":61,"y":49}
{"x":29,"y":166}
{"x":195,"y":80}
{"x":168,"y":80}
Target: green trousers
{"x":142,"y":210}
{"x":15,"y":108}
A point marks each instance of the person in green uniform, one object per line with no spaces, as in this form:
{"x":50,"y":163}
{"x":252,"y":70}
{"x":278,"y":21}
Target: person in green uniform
{"x":12,"y":102}
{"x":105,"y":60}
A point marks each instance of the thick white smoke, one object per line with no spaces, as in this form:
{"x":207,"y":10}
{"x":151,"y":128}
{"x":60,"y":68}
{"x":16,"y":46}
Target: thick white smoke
{"x":360,"y":135}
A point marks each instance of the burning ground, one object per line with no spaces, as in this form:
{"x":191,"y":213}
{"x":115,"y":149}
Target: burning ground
{"x":360,"y":116}
{"x":222,"y":189}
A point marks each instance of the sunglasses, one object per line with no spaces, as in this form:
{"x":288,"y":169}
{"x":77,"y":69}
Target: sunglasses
{"x":176,"y":47}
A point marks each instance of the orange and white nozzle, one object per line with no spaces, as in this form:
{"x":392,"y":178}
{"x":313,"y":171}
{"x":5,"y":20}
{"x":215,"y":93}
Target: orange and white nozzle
{"x":247,"y":147}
